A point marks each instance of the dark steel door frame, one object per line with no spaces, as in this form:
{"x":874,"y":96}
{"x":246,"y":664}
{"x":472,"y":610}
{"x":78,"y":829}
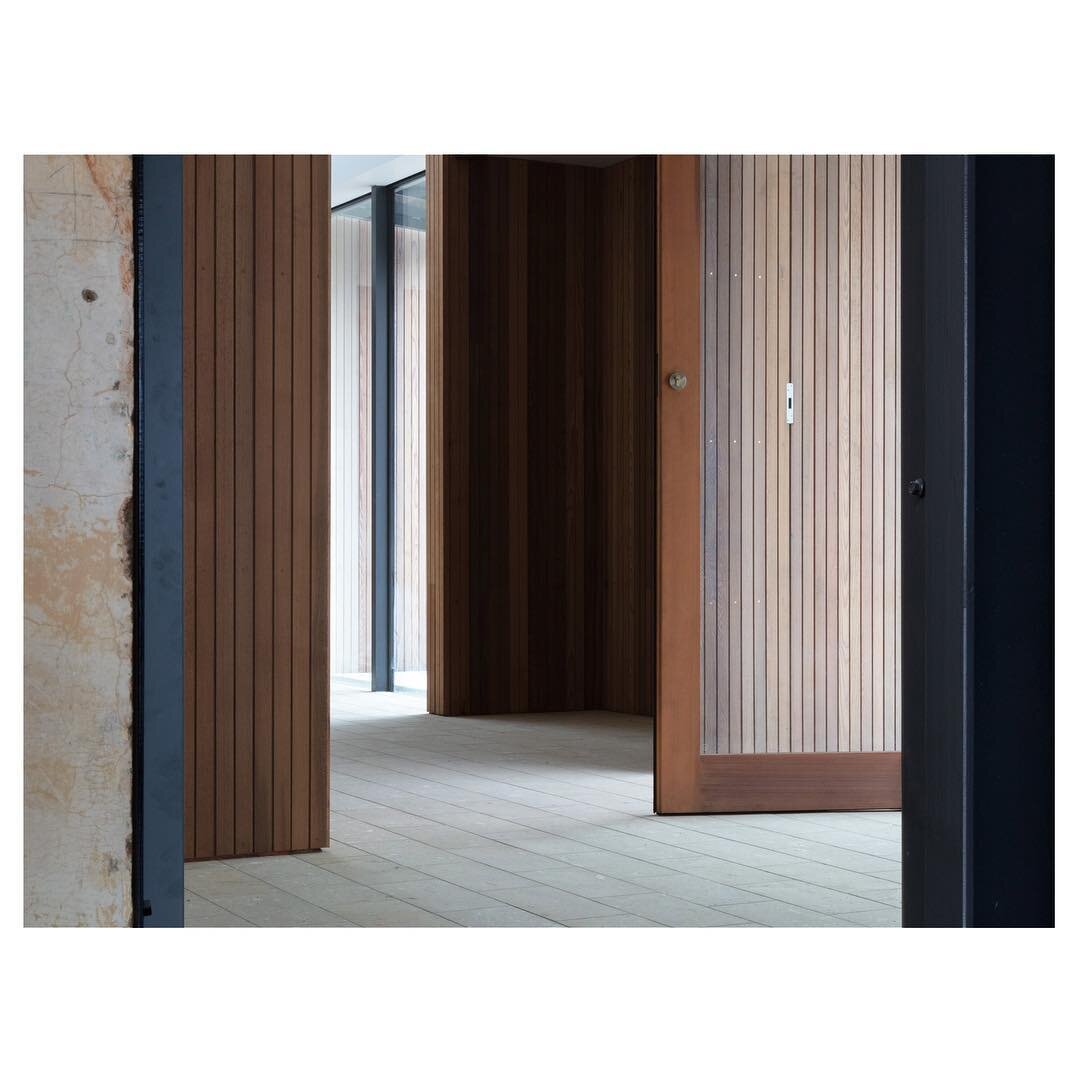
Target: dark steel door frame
{"x":977,"y":540}
{"x":158,"y":654}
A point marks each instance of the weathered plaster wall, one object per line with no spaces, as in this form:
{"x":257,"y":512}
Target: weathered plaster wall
{"x":78,"y":446}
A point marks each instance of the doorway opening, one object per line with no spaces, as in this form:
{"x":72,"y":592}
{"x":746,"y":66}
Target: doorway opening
{"x":521,"y":791}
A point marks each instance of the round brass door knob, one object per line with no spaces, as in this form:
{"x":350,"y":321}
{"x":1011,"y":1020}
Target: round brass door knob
{"x":677,"y":380}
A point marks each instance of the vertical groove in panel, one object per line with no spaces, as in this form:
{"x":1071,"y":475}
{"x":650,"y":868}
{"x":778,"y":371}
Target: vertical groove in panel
{"x":760,"y":542}
{"x":718,"y":512}
{"x":795,"y":436}
{"x":573,"y":405}
{"x":783,"y":462}
{"x":225,"y":496}
{"x":190,"y":643}
{"x":889,"y":457}
{"x":879,"y":453}
{"x":716,"y":271}
{"x":263,"y":566}
{"x":300,"y":499}
{"x":518,"y":435}
{"x":518,"y":358}
{"x":733,"y":458}
{"x":771,"y":447}
{"x":867,"y":446}
{"x":243,"y":421}
{"x":831,"y":463}
{"x":855,"y":457}
{"x":319,"y":813}
{"x":747,"y":424}
{"x":843,"y":482}
{"x":897,"y":481}
{"x":821,"y":471}
{"x":807,"y":400}
{"x":710,"y":368}
{"x":205,"y":507}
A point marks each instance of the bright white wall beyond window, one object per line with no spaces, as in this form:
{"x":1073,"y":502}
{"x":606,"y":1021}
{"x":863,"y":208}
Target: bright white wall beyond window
{"x":410,"y":435}
{"x":350,"y":441}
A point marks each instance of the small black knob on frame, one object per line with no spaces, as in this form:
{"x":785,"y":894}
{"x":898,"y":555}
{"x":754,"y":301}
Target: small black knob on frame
{"x":917,"y":487}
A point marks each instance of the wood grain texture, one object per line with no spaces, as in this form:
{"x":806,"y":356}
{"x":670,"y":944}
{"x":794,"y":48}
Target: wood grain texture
{"x":256,"y":301}
{"x":679,"y":430}
{"x":773,"y":783}
{"x":810,"y":509}
{"x":541,"y":353}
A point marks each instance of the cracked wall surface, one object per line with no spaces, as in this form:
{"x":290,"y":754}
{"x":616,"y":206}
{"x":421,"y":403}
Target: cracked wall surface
{"x":78,"y":452}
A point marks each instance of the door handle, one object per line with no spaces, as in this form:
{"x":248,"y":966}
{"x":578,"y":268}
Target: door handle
{"x":677,"y":380}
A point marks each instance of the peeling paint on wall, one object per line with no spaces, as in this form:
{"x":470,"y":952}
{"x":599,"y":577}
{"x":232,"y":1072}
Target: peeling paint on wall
{"x":78,"y":483}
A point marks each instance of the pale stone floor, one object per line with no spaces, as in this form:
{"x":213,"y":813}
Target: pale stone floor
{"x":541,"y":821}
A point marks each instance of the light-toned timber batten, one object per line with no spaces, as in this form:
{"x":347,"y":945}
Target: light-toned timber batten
{"x":801,"y":529}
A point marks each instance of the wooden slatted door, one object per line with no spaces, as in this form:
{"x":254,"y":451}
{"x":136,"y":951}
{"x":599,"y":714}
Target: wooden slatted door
{"x":256,"y":504}
{"x":778,"y":636}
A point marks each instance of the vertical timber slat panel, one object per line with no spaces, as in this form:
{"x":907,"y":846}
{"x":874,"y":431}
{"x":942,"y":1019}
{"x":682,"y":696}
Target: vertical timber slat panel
{"x":759,"y":546}
{"x":711,"y":711}
{"x":783,"y":463}
{"x":203,"y":434}
{"x":263,"y":390}
{"x":855,"y":459}
{"x":733,"y":458}
{"x":867,"y":504}
{"x":770,"y":607}
{"x":718,"y":513}
{"x":256,"y":302}
{"x":319,"y":719}
{"x":225,"y":503}
{"x":879,"y":452}
{"x":807,"y":247}
{"x":244,"y":405}
{"x":282,"y":538}
{"x":806,"y":419}
{"x":796,"y":458}
{"x":889,"y":458}
{"x":821,"y":469}
{"x":301,"y":477}
{"x":541,"y":430}
{"x":843,"y":481}
{"x":746,"y":512}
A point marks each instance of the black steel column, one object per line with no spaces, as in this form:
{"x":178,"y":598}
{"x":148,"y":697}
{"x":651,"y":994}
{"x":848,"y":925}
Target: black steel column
{"x":158,"y":804}
{"x":382,"y":438}
{"x":936,"y":538}
{"x":1013,"y":481}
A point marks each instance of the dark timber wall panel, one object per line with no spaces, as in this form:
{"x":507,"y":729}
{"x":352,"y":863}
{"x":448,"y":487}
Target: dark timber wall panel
{"x":541,"y":348}
{"x":256,"y":523}
{"x":801,"y":528}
